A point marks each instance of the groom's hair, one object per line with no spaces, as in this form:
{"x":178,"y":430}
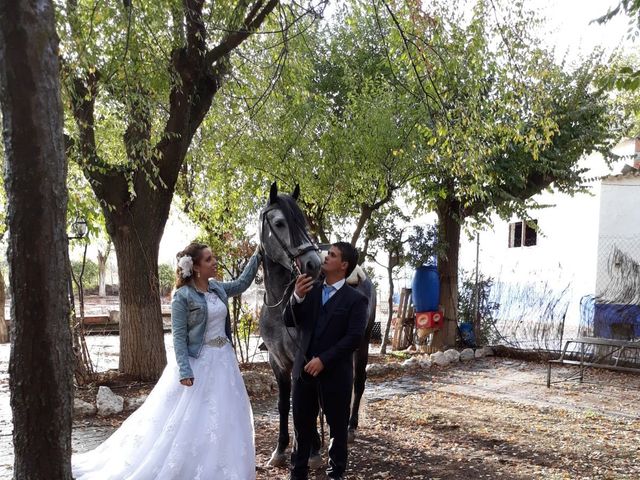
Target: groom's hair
{"x":349,"y":254}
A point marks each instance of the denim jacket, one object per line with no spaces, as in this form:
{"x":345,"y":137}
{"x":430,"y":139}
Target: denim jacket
{"x":189,"y":314}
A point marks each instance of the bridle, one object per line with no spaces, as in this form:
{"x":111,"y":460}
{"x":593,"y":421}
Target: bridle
{"x":295,"y":272}
{"x":293,"y":255}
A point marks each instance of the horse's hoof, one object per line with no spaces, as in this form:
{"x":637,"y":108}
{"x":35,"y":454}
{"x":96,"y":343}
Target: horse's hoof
{"x":351,"y":436}
{"x":277,"y":460}
{"x":315,"y":461}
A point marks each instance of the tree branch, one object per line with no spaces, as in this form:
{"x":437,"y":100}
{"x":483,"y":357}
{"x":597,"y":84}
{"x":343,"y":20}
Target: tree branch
{"x":106,"y":181}
{"x":251,"y":23}
{"x":196,"y":32}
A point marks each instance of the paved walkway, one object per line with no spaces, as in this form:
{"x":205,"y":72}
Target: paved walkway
{"x":6,"y":429}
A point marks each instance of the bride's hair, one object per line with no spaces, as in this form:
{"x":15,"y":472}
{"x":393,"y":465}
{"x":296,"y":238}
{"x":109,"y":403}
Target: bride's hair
{"x":194,"y":252}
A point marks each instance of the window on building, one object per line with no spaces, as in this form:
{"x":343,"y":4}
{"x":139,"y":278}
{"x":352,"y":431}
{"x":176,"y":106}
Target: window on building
{"x":522,"y":235}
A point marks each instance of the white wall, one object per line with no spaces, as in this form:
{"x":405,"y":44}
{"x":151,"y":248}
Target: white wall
{"x":566,"y":249}
{"x":619,"y":223}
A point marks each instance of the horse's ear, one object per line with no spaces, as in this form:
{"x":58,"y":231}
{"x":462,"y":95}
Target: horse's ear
{"x":273,"y":193}
{"x":296,"y":192}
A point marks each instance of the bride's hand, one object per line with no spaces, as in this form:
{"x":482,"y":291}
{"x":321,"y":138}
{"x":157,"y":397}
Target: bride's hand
{"x":187,"y":382}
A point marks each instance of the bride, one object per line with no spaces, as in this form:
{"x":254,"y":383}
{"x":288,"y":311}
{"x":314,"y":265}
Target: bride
{"x":197,"y":422}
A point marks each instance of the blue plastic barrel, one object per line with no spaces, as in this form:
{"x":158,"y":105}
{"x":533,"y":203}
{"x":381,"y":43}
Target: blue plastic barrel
{"x":466,"y":332}
{"x":425,"y":289}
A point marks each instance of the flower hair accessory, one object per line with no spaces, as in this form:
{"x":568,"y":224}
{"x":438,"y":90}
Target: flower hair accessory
{"x":185,"y":264}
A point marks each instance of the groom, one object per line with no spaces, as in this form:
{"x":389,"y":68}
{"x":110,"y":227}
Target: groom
{"x":331,"y":319}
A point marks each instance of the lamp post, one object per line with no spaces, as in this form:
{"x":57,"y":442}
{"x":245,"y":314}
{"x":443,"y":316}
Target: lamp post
{"x":79,"y":228}
{"x":83,"y":367}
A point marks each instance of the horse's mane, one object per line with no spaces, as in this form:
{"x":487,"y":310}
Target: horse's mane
{"x":294,"y":217}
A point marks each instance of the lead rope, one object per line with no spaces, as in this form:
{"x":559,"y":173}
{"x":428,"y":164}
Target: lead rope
{"x":295,"y":270}
{"x":318,"y":386}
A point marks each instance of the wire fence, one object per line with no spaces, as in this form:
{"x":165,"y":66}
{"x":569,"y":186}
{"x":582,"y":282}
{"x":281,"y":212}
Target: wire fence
{"x":616,"y":309}
{"x":618,"y":279}
{"x":531,"y":315}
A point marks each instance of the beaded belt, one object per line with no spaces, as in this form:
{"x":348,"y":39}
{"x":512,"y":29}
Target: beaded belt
{"x":217,"y":342}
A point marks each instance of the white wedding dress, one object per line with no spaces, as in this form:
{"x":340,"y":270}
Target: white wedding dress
{"x":203,"y":432}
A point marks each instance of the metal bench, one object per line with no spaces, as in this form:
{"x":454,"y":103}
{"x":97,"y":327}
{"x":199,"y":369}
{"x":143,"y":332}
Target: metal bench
{"x":618,"y":347}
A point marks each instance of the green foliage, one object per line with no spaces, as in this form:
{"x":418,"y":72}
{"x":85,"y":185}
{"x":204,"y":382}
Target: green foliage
{"x":388,"y":234}
{"x":244,"y":324}
{"x":89,"y":274}
{"x":124,"y":69}
{"x":166,"y":278}
{"x":500,"y":120}
{"x":139,"y":78}
{"x":622,"y":78}
{"x":623,"y":74}
{"x":247,"y":324}
{"x":371,"y":275}
{"x":400,"y":355}
{"x":82,"y":203}
{"x":331,"y":123}
{"x":470,"y":294}
{"x":469,"y":109}
{"x":422,"y":245}
{"x":504,"y":121}
{"x":626,"y":100}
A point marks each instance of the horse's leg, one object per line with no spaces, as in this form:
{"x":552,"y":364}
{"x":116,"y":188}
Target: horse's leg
{"x":278,"y":457}
{"x":361,"y":357}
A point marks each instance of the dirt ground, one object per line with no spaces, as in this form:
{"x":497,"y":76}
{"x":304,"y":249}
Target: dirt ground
{"x":491,"y":418}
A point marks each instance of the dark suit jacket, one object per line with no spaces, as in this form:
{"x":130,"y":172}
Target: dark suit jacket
{"x":331,"y":331}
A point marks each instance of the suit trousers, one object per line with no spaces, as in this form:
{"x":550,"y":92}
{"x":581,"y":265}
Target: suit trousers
{"x":334,"y":394}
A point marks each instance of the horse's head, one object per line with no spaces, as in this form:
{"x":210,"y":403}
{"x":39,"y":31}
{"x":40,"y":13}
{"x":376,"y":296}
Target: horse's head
{"x":284,"y":236}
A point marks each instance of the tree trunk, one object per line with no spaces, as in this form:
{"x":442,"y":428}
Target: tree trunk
{"x":365,"y":214}
{"x":40,"y":376}
{"x":449,"y":232}
{"x":136,"y":242}
{"x":102,"y":279}
{"x":136,"y":211}
{"x":364,"y":251}
{"x":4,"y":331}
{"x":366,"y":211}
{"x":102,"y":270}
{"x":385,"y":337}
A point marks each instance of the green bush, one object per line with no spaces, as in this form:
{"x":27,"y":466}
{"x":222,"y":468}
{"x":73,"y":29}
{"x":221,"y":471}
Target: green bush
{"x":89,"y":275}
{"x":486,"y":308}
{"x":247,"y":324}
{"x":166,"y":278}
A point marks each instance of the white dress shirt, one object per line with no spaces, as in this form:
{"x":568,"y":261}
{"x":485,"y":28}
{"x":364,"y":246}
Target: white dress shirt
{"x":336,"y":286}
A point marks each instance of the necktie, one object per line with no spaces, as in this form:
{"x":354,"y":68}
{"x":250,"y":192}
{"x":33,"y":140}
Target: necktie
{"x":326,"y":293}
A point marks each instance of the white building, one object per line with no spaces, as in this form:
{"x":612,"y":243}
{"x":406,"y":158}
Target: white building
{"x":560,"y":259}
{"x":617,"y":307}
